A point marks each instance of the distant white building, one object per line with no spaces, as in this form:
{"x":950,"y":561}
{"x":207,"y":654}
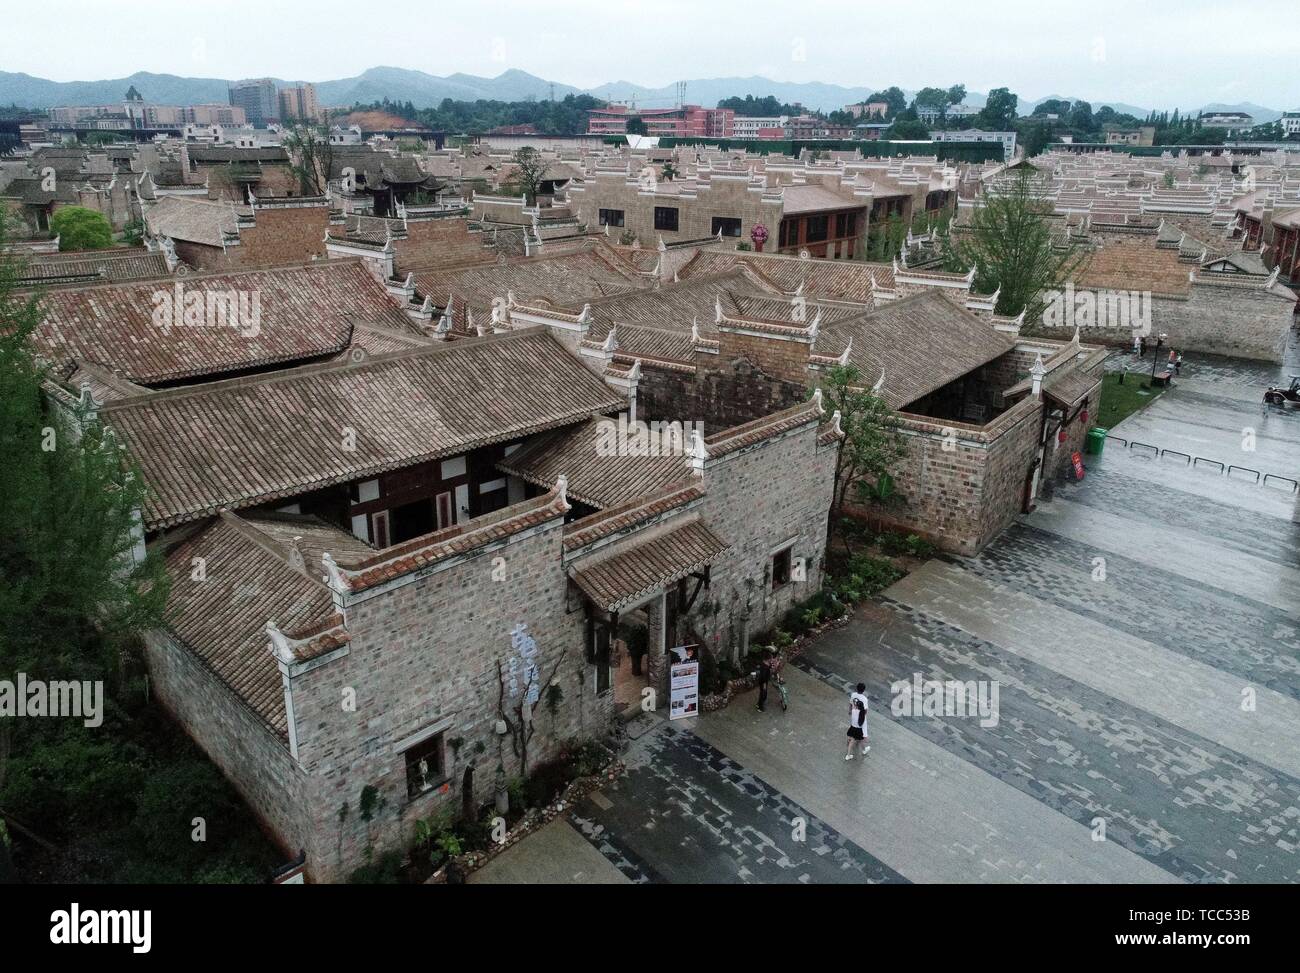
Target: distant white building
{"x":1229,"y":120}
{"x":757,"y":128}
{"x":949,"y":113}
{"x":1290,"y":122}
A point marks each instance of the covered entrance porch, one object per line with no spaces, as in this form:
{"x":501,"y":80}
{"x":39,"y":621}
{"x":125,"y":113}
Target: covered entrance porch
{"x":639,"y":594}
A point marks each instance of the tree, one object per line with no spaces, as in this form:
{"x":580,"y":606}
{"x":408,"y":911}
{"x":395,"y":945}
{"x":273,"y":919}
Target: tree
{"x":1010,"y":245}
{"x":999,"y":110}
{"x":893,"y":97}
{"x":1052,"y":106}
{"x":73,"y":599}
{"x":956,"y":94}
{"x":1035,"y":137}
{"x":1081,"y":117}
{"x":311,"y":155}
{"x":873,"y":442}
{"x":529,"y":169}
{"x":935,"y":99}
{"x":907,"y":128}
{"x":635,"y":126}
{"x":79,"y":228}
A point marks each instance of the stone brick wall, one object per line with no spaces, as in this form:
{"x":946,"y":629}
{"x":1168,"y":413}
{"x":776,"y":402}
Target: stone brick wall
{"x":758,"y":500}
{"x":436,"y":243}
{"x":783,"y":359}
{"x":253,"y":759}
{"x":1008,"y":462}
{"x":720,"y":394}
{"x":1221,"y":318}
{"x":282,"y":235}
{"x":720,"y":197}
{"x":960,"y":484}
{"x":423,"y":654}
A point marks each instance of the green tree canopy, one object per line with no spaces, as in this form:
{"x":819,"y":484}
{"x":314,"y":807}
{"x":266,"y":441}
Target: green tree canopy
{"x":1010,"y":244}
{"x":79,"y":228}
{"x":892,"y":96}
{"x":999,"y":111}
{"x":873,"y":444}
{"x":73,"y":598}
{"x":935,"y":99}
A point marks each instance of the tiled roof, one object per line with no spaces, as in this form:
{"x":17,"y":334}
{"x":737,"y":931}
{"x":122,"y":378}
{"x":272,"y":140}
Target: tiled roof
{"x":632,"y":514}
{"x":303,"y":312}
{"x":91,"y":266}
{"x":560,"y":281}
{"x":599,"y":480}
{"x":839,"y":280}
{"x":1135,"y":265}
{"x":648,"y":564}
{"x":921,"y":343}
{"x":193,"y":220}
{"x":246,"y":582}
{"x":421,"y":552}
{"x":244,"y":442}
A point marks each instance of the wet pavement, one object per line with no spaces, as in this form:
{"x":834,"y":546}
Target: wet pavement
{"x":1142,"y":630}
{"x":1215,"y":411}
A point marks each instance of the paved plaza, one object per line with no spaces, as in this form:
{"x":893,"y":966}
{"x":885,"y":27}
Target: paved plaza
{"x":1143,"y":630}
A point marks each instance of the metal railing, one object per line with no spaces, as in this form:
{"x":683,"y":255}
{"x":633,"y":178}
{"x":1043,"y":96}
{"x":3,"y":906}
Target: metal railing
{"x":1273,"y":481}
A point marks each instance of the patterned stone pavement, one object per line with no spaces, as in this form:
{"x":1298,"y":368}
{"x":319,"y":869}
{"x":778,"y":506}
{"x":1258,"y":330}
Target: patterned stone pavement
{"x":684,"y":812}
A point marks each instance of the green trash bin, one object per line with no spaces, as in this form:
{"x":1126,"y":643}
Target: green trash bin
{"x":1096,"y":440}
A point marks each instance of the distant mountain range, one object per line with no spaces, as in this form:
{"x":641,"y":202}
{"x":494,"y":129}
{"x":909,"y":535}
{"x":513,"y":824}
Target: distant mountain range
{"x":425,"y":90}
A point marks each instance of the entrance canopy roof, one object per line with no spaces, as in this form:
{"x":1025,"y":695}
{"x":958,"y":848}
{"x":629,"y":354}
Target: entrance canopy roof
{"x":648,"y":566}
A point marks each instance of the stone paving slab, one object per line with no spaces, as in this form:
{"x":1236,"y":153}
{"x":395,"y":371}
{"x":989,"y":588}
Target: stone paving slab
{"x":1203,"y":481}
{"x":1194,"y":808}
{"x":1164,"y":507}
{"x":685,"y":812}
{"x":923,"y":810}
{"x":1186,"y":553}
{"x":1184,"y":692}
{"x":555,"y":854}
{"x":1247,"y":639}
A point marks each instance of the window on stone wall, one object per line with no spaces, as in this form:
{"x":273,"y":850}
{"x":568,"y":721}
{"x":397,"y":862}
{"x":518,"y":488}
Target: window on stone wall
{"x":425,"y":766}
{"x":666,"y":218}
{"x":817,"y":229}
{"x":611,"y":217}
{"x":726,"y":225}
{"x":781,"y":561}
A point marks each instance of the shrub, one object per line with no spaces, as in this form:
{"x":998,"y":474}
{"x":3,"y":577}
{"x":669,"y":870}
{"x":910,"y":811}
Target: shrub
{"x":869,"y":575}
{"x":79,"y":228}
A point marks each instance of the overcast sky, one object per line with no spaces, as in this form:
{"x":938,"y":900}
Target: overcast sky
{"x":1152,"y":53}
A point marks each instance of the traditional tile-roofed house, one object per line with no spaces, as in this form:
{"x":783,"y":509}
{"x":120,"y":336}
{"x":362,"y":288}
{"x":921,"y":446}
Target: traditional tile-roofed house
{"x":196,"y":327}
{"x":274,"y":438}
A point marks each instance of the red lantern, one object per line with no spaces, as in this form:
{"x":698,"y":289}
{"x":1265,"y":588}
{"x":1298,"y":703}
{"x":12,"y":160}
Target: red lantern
{"x":1060,"y":436}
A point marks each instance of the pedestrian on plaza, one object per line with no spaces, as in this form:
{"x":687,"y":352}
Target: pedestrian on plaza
{"x":857,"y":725}
{"x":1142,"y":347}
{"x":1178,"y":364}
{"x":1137,"y":345}
{"x":763,"y":674}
